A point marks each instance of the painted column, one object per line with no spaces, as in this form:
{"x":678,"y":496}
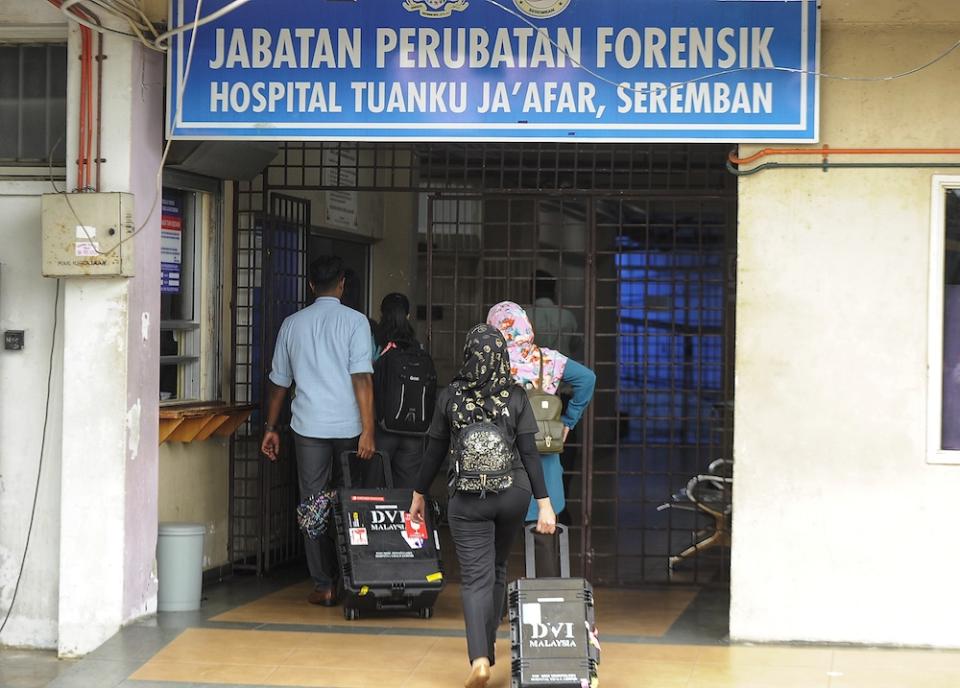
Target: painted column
{"x":111,"y":375}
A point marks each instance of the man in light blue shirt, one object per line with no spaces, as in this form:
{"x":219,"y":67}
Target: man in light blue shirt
{"x":324,"y":350}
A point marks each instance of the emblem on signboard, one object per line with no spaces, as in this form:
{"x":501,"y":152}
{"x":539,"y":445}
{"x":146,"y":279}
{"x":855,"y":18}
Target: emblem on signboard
{"x":541,"y":9}
{"x":435,"y":9}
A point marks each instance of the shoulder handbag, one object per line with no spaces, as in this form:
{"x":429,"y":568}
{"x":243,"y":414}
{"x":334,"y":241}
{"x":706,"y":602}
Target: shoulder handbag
{"x":547,"y":409}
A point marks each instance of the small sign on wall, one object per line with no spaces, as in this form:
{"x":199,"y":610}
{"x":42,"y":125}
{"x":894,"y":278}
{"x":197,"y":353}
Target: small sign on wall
{"x":171,"y":246}
{"x":340,"y":169}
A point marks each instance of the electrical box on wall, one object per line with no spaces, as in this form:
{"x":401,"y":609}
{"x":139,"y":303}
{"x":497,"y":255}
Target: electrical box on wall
{"x":88,"y":235}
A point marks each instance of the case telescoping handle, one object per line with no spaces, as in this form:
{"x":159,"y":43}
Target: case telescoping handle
{"x":531,"y":555}
{"x":384,"y":461}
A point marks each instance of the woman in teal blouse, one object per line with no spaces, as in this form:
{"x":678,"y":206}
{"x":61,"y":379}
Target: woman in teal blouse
{"x":526,"y":359}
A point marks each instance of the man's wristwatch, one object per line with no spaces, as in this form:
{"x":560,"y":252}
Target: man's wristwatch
{"x":267,"y":427}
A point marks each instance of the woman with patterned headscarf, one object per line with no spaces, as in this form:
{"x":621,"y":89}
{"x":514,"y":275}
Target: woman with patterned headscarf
{"x":526,"y":359}
{"x":484,"y":525}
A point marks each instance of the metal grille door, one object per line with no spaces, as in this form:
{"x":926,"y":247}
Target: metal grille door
{"x":269,"y":285}
{"x":640,"y":289}
{"x":663,"y":336}
{"x":485,"y":249}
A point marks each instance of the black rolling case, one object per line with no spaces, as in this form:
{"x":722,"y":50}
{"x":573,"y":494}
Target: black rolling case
{"x":552,"y":626}
{"x":386,"y":564}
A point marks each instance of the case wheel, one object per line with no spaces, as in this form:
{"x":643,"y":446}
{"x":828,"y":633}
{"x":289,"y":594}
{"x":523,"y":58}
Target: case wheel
{"x":426,"y":613}
{"x":351,"y":614}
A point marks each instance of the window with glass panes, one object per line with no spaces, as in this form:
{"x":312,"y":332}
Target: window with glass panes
{"x":33,"y":104}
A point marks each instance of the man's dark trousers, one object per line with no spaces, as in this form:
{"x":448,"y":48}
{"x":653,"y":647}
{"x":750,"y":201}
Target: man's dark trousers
{"x":318,"y":468}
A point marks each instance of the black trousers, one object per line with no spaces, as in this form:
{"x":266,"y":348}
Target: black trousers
{"x":406,"y":455}
{"x":483,"y":532}
{"x":318,"y":469}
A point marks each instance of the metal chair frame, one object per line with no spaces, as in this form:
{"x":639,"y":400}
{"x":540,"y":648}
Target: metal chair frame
{"x":719,"y":481}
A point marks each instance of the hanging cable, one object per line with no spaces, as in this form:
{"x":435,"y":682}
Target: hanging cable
{"x":197,"y":22}
{"x":137,"y":20}
{"x":81,"y":16}
{"x":713,"y":75}
{"x":131,"y":12}
{"x":177,"y":118}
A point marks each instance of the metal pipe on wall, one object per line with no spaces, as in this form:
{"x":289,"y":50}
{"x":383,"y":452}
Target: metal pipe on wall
{"x":826,"y":151}
{"x":735,"y":163}
{"x":827,"y":166}
{"x":100,"y":57}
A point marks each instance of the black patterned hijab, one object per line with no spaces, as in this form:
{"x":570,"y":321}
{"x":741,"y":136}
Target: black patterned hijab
{"x":481,"y":390}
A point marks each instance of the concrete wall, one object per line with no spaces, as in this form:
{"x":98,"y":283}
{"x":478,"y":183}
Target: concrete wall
{"x":26,"y":303}
{"x":108,"y":491}
{"x":195,"y":488}
{"x":146,"y":74}
{"x":842,"y":530}
{"x":29,"y":21}
{"x":394,"y":259}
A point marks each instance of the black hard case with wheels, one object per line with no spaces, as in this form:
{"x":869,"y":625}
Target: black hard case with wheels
{"x":383,"y":566}
{"x":551,"y":623}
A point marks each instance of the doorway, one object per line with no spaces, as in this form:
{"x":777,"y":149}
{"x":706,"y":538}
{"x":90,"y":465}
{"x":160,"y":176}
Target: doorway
{"x":635,"y":246}
{"x":637,"y":288}
{"x":356,"y":258}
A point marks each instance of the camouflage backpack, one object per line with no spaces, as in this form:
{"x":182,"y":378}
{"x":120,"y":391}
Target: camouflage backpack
{"x":483,"y":460}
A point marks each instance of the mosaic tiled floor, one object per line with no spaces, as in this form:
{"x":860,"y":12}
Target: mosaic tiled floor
{"x":262,"y":633}
{"x":648,"y":613}
{"x":331,"y":660}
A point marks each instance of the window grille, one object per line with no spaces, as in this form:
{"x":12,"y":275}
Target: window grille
{"x":33,"y":104}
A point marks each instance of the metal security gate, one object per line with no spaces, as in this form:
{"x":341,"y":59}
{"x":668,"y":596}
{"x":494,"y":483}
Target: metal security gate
{"x":639,"y":288}
{"x":665,"y":279}
{"x":636,"y":243}
{"x":269,"y":285}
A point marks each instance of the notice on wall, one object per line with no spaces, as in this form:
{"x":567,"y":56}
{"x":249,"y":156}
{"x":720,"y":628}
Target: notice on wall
{"x":171,"y":246}
{"x":340,"y":169}
{"x":86,"y":245}
{"x":500,"y":70}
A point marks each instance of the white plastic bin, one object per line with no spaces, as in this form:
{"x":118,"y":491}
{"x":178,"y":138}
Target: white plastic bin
{"x":179,"y":566}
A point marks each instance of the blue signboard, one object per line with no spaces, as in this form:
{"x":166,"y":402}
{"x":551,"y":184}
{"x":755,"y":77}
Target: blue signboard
{"x":498,"y":70}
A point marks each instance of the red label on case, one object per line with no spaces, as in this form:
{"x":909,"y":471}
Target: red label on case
{"x":415,"y":531}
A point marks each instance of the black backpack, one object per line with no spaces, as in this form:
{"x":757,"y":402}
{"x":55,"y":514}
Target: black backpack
{"x":405,"y":390}
{"x":483,"y":459}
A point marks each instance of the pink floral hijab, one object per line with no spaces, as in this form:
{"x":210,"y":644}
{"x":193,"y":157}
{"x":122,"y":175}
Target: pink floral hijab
{"x":525,"y":356}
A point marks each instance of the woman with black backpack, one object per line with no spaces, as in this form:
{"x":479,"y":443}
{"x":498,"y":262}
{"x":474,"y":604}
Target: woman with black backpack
{"x":485,"y":423}
{"x":404,"y":388}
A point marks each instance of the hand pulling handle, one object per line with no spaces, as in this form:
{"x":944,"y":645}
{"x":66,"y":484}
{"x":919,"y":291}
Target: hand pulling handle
{"x":531,"y":556}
